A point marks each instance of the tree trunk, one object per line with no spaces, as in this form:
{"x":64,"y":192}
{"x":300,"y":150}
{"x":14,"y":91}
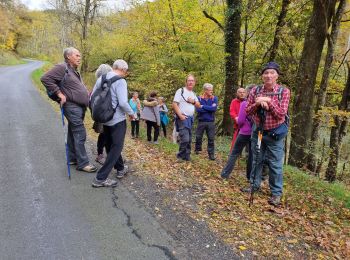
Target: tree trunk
{"x":245,"y":41}
{"x":86,"y":16}
{"x":321,"y":98}
{"x":280,"y":23}
{"x":232,"y":49}
{"x":175,"y":33}
{"x":338,"y":132}
{"x":306,"y":77}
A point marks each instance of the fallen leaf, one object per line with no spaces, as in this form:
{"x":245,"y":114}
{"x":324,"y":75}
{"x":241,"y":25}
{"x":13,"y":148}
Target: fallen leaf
{"x":242,"y":248}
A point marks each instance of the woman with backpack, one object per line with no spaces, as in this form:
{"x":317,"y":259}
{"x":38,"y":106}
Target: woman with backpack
{"x":98,"y":127}
{"x":164,"y":119}
{"x":151,"y":115}
{"x":243,"y":140}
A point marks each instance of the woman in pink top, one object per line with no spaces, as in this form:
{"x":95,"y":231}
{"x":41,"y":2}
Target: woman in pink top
{"x":243,"y":140}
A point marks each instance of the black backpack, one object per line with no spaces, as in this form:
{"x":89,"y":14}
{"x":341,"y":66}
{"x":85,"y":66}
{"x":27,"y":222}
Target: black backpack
{"x":52,"y":95}
{"x":101,"y":106}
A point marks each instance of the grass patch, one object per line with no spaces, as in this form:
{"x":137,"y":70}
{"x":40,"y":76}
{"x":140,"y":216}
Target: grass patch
{"x":9,"y":58}
{"x":303,"y":182}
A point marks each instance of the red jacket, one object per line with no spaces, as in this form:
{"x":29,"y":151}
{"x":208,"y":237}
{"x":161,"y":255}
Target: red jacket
{"x":234,"y":110}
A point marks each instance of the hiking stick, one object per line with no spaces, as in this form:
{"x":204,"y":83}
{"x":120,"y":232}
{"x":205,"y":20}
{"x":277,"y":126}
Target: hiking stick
{"x":65,"y":141}
{"x":257,"y":155}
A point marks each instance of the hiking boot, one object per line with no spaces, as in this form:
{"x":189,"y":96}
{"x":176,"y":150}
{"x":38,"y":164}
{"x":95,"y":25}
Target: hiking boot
{"x":106,"y":183}
{"x":88,"y":168}
{"x":155,"y":142}
{"x":249,"y":189}
{"x":73,"y":163}
{"x":100,"y":159}
{"x":197,"y":152}
{"x":122,"y":173}
{"x":225,"y":176}
{"x":212,"y":157}
{"x":275,"y":200}
{"x":180,"y":160}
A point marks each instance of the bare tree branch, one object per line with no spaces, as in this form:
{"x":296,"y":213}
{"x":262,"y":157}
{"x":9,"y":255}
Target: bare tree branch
{"x":342,"y":61}
{"x":214,"y":20}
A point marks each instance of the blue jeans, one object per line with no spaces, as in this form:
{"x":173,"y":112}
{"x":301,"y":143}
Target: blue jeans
{"x":76,"y":136}
{"x":241,"y":142}
{"x":271,"y":154}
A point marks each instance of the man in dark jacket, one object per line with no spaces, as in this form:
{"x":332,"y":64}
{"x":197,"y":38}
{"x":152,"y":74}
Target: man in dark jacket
{"x":65,"y":81}
{"x":206,"y":119}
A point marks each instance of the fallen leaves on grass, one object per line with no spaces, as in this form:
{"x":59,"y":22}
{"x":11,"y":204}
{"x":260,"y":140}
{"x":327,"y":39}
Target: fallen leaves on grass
{"x":306,"y":225}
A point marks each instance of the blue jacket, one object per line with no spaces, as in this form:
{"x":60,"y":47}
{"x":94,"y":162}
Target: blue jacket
{"x":207,"y":112}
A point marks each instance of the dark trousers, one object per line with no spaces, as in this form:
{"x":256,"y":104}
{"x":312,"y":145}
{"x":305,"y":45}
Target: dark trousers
{"x":151,"y":125}
{"x":185,"y":136}
{"x":164,"y":128}
{"x":241,"y":142}
{"x":209,"y":128}
{"x":76,"y":136}
{"x":115,"y":136}
{"x":135,"y":128}
{"x":101,"y":143}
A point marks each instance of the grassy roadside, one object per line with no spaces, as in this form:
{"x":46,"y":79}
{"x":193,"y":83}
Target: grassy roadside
{"x":314,"y":221}
{"x":8,"y":59}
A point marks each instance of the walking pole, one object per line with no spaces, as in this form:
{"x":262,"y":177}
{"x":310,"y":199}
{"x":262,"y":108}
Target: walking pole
{"x":257,"y":154}
{"x":65,"y":141}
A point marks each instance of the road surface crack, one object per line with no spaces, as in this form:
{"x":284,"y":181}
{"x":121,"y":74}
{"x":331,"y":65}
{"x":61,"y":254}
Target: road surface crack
{"x":167,"y":252}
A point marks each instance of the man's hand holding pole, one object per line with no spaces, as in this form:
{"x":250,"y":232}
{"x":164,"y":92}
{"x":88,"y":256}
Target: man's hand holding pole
{"x":62,"y":98}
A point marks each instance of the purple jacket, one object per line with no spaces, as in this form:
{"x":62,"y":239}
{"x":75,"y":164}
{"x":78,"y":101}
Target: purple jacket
{"x":244,"y":124}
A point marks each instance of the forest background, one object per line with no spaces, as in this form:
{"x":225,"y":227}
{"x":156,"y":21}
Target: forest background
{"x":221,"y":42}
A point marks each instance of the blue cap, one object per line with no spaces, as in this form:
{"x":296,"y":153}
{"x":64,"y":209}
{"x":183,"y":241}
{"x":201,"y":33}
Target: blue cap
{"x":271,"y":65}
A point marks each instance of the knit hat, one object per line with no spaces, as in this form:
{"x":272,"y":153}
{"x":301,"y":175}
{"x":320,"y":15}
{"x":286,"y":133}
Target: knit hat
{"x":271,"y":65}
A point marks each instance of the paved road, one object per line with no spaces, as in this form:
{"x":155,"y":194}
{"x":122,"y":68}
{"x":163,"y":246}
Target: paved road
{"x":45,"y":216}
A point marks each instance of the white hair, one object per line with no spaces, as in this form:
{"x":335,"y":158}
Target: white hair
{"x":102,"y":70}
{"x":120,"y":65}
{"x":207,"y":86}
{"x":68,"y":52}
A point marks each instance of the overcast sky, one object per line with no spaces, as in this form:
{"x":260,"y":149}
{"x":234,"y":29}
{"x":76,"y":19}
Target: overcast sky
{"x":35,"y":4}
{"x":42,"y":4}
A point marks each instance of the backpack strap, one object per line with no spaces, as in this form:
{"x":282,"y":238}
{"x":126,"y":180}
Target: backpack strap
{"x":114,"y":79}
{"x":109,"y":82}
{"x":280,"y":91}
{"x":258,"y":89}
{"x":182,"y":95}
{"x":61,"y":84}
{"x":103,"y":80}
